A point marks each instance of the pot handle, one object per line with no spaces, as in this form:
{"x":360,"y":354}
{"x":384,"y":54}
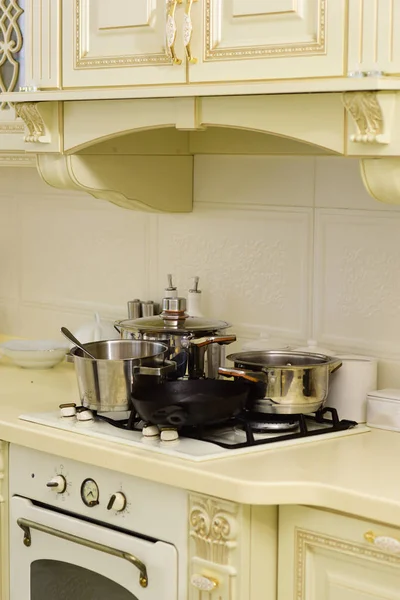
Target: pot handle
{"x":168,"y":367}
{"x":116,"y":326}
{"x":215,"y":339}
{"x":247,"y":375}
{"x":334,"y":366}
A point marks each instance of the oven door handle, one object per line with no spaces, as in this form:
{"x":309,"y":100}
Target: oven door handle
{"x":27,"y":525}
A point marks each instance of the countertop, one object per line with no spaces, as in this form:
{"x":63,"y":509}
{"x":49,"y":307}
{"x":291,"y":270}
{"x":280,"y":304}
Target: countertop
{"x":356,"y":474}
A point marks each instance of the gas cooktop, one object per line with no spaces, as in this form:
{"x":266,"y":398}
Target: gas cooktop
{"x":238,"y":436}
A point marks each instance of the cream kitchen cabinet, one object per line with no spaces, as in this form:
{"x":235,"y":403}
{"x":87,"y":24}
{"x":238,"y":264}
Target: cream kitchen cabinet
{"x":121,"y":43}
{"x":328,"y":556}
{"x":240,"y":40}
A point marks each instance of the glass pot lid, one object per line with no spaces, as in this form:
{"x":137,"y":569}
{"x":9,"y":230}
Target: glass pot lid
{"x":181,"y":326}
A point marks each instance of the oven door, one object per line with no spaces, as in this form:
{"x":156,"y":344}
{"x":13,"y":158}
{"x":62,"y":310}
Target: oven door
{"x":61,"y":557}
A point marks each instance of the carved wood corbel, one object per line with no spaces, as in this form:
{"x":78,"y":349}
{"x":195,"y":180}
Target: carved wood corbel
{"x":30,"y":114}
{"x":372,"y":114}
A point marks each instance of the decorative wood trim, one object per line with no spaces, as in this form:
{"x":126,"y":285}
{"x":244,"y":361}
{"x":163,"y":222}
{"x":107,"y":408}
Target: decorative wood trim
{"x":308,"y":540}
{"x":101,"y":62}
{"x":11,"y":37}
{"x":11,"y":127}
{"x":267,"y":51}
{"x":17,"y":160}
{"x":213,"y":527}
{"x":372,"y":113}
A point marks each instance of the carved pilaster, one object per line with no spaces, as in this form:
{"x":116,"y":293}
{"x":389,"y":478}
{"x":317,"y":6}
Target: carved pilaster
{"x":372,"y":113}
{"x":216,"y":531}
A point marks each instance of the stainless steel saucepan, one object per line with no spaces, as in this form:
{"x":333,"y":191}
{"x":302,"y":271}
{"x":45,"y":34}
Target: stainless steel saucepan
{"x":295,"y":382}
{"x":106,"y":383}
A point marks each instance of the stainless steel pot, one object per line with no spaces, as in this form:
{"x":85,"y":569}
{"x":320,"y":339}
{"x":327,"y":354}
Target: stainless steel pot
{"x":295,"y":382}
{"x":106,"y":384}
{"x":195,"y":343}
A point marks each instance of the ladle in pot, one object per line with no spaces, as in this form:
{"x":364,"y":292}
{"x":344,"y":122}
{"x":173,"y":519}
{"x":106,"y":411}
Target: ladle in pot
{"x":70,"y":336}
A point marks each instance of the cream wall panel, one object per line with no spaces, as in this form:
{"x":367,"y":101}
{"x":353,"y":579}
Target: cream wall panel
{"x":43,"y":43}
{"x":242,"y":40}
{"x":81,"y":254}
{"x":246,"y":180}
{"x":338,"y":184}
{"x":357,"y":290}
{"x":119,"y":43}
{"x":252,"y":262}
{"x":9,"y":249}
{"x":373,"y":42}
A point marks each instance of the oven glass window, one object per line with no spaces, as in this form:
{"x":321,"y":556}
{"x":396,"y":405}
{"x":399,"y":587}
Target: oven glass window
{"x":55,"y":580}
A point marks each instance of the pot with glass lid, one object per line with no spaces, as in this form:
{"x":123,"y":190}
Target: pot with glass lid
{"x":195,"y":343}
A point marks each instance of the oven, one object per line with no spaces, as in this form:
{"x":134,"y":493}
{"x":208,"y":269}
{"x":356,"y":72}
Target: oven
{"x":63,"y":548}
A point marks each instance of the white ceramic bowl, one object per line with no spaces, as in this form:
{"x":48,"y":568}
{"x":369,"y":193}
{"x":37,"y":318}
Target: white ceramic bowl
{"x":34,"y":354}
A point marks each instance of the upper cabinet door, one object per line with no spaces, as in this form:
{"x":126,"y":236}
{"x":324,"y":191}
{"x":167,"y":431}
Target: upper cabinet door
{"x":121,"y":42}
{"x":237,"y":40}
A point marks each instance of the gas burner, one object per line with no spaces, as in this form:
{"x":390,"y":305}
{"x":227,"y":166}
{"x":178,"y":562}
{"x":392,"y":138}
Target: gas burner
{"x":272,"y":426}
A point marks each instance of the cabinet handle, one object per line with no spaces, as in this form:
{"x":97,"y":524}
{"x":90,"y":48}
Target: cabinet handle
{"x":204,"y":584}
{"x":27,"y":525}
{"x":383,"y":542}
{"x":188,"y":30}
{"x":171,"y":31}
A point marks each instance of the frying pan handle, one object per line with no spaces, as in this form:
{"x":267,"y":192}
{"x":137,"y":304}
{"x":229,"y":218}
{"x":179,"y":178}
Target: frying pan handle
{"x":247,"y":375}
{"x":334,"y":366}
{"x":214,"y":339}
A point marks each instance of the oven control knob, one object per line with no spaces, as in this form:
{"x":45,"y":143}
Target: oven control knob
{"x":117,"y":502}
{"x":57,"y":484}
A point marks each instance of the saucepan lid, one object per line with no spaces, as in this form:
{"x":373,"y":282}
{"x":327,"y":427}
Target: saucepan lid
{"x":180,"y":326}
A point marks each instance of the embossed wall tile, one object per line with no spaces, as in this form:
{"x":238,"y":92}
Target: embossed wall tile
{"x":280,"y":181}
{"x":9,"y":248}
{"x":338,"y":184}
{"x":254,"y":265}
{"x":357,"y":283}
{"x":77,"y":257}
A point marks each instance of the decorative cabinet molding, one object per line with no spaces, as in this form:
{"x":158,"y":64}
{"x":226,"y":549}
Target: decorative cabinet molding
{"x":219,"y":541}
{"x":120,"y":43}
{"x":373,"y":41}
{"x":11,"y":45}
{"x":321,"y":554}
{"x":240,"y":40}
{"x":43,"y":44}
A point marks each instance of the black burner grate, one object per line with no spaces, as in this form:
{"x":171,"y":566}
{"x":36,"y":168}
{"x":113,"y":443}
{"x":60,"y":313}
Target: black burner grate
{"x":328,"y":417}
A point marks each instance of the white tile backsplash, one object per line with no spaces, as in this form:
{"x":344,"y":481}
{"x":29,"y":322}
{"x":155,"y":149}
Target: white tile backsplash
{"x":357,"y":287}
{"x":294,"y":246}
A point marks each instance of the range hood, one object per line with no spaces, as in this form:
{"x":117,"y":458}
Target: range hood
{"x":138,"y":153}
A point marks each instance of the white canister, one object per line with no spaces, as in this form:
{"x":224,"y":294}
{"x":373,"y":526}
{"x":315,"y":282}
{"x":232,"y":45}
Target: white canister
{"x":383,"y":409}
{"x":350,"y":385}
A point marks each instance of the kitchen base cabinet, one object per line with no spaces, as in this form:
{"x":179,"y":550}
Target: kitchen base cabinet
{"x":328,"y":556}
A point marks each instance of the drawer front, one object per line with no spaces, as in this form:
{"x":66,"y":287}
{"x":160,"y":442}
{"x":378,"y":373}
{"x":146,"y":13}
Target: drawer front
{"x":325,"y":556}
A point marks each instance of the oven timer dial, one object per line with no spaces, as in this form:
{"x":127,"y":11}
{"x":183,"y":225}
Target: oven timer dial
{"x":117,"y":502}
{"x":57,"y":484}
{"x":90,"y":493}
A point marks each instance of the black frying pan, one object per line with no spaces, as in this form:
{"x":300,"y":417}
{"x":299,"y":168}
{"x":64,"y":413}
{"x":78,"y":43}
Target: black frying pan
{"x":194,"y":401}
